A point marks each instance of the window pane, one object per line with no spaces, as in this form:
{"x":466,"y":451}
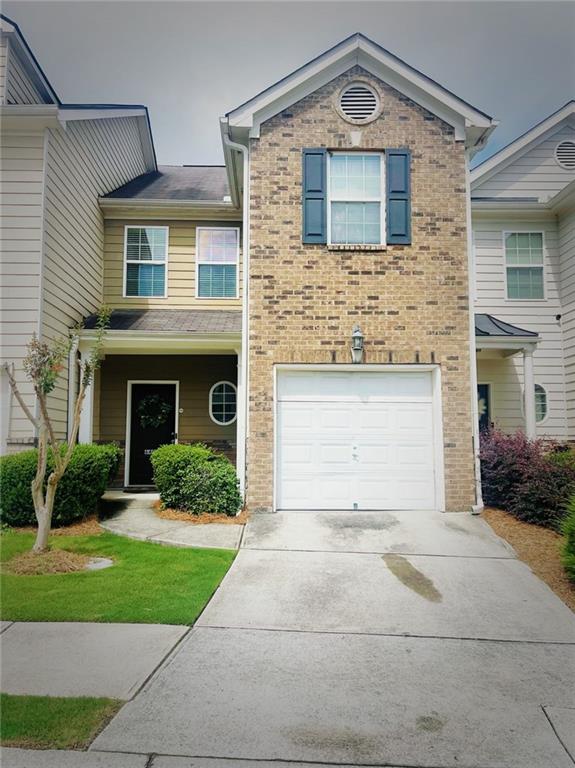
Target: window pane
{"x":145,"y":280}
{"x":524,"y":248}
{"x":223,"y":403}
{"x":218,"y":246}
{"x":146,"y":244}
{"x":355,"y":223}
{"x":540,"y":403}
{"x":217,"y":281}
{"x":525,"y":283}
{"x":355,"y":177}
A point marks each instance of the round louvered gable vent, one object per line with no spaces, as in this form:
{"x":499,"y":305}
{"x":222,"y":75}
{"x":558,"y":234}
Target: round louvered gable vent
{"x":565,"y":155}
{"x":359,"y":103}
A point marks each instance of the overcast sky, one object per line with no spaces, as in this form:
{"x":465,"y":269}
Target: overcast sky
{"x":191,"y":62}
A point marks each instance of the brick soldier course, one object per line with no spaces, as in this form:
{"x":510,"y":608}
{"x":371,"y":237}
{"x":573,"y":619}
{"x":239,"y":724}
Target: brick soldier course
{"x":411,"y":300}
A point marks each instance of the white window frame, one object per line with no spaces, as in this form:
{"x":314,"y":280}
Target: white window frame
{"x":212,"y":263}
{"x":381,"y":200}
{"x":212,"y":417}
{"x":139,"y":261}
{"x":507,"y":232}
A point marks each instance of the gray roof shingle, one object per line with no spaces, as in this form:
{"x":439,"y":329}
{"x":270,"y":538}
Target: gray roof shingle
{"x":171,"y":182}
{"x":172,"y":320}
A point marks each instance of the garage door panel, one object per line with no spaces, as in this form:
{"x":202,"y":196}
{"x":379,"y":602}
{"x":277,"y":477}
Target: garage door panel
{"x":355,"y":440}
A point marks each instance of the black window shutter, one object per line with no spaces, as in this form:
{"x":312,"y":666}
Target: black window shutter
{"x":314,"y":196}
{"x":398,"y":208}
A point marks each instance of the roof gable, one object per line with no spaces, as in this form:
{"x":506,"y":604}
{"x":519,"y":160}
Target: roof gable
{"x":528,"y":144}
{"x":470,"y":124}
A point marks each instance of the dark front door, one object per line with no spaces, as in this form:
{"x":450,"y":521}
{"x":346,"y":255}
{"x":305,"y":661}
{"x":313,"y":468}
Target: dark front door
{"x":152,"y":423}
{"x":484,"y":405}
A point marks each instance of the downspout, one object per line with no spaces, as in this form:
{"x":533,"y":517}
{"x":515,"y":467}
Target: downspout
{"x":243,"y":427}
{"x":478,"y":506}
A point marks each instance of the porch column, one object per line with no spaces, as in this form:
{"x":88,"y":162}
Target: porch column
{"x":85,"y":431}
{"x":241,"y":425}
{"x":529,"y":392}
{"x":72,"y":384}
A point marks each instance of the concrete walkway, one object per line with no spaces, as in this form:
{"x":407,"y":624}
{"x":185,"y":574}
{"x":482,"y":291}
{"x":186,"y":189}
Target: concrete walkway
{"x":132,"y":515}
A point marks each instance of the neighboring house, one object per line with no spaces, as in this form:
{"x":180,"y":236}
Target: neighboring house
{"x":57,"y":159}
{"x":523,"y":204}
{"x":342,"y":217}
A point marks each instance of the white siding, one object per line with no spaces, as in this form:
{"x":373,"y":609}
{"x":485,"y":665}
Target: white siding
{"x":88,"y":159}
{"x":534,"y":174}
{"x":3,"y":67}
{"x":506,"y":375}
{"x":567,"y":252}
{"x":19,"y":87}
{"x":21,"y":185}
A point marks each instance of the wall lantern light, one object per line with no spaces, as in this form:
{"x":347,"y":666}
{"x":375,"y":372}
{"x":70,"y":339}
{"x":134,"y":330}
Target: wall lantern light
{"x":356,"y":345}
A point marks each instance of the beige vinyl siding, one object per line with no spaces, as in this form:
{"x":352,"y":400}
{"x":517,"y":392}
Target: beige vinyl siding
{"x":535,"y":174}
{"x":181,"y":287}
{"x":20,"y":89}
{"x":567,"y":250}
{"x":21,"y":201}
{"x":539,"y":316}
{"x":87,"y":159}
{"x":3,"y":67}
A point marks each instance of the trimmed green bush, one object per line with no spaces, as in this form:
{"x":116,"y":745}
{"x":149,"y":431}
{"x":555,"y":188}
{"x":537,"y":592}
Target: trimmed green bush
{"x":85,"y":480}
{"x":568,"y":528}
{"x":196,"y":479}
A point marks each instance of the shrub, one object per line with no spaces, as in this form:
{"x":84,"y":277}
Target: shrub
{"x":196,"y":479}
{"x":531,"y":479}
{"x":85,"y":480}
{"x":568,"y":528}
{"x":543,"y":492}
{"x":505,"y":459}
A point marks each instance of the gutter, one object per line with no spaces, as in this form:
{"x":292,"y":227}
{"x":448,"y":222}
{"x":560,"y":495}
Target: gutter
{"x":478,"y":506}
{"x":243,"y":426}
{"x":150,"y":202}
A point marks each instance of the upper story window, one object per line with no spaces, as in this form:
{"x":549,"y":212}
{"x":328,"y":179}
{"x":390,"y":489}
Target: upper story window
{"x":217,"y":258}
{"x":524,"y":265}
{"x":355,"y":205}
{"x":146,"y":258}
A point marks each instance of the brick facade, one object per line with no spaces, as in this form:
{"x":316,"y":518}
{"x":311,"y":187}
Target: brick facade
{"x":411,"y":301}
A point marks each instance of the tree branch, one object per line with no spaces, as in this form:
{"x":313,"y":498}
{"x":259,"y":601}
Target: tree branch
{"x":18,"y":396}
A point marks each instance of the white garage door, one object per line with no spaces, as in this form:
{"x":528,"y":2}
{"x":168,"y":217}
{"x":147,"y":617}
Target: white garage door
{"x":355,"y":440}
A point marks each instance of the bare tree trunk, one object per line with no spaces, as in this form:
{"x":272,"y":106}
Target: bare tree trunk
{"x":41,"y":543}
{"x":44,"y":514}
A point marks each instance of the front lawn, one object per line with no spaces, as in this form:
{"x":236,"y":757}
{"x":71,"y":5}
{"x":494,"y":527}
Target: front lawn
{"x":44,"y":722}
{"x":148,"y":583}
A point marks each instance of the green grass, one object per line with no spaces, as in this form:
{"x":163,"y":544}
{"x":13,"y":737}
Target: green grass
{"x":43,"y":722}
{"x":148,"y":583}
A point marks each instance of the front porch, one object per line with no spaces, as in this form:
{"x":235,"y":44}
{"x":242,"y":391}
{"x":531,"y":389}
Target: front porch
{"x":506,"y":387}
{"x":166,"y":376}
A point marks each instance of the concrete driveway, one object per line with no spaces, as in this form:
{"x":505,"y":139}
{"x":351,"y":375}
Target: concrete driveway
{"x":396,"y":639}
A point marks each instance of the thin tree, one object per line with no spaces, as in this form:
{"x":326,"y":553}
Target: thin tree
{"x":43,"y":365}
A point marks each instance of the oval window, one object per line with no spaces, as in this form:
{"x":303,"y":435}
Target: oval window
{"x":540,"y":403}
{"x":223,"y":403}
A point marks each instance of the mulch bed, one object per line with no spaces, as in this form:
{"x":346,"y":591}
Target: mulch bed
{"x":41,"y":563}
{"x":88,"y":527}
{"x":205,"y":519}
{"x":539,"y":547}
